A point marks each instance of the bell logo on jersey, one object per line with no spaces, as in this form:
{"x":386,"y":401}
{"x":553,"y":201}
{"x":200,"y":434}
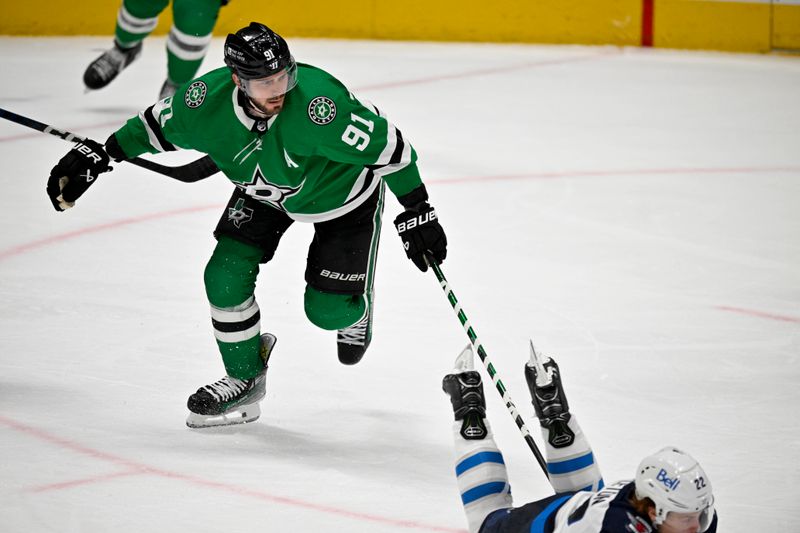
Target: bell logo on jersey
{"x":195,"y":94}
{"x":322,"y":110}
{"x":671,"y":484}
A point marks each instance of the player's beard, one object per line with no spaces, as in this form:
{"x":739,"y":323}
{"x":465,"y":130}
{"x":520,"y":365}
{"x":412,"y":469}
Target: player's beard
{"x":269,"y":108}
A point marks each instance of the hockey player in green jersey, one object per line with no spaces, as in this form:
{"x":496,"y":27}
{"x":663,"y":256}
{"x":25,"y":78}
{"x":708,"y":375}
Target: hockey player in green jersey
{"x":187,"y":43}
{"x":298,"y":146}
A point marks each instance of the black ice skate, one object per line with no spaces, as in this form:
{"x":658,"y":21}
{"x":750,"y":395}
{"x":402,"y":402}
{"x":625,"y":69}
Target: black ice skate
{"x":105,"y":68}
{"x":548,"y":398}
{"x":168,"y":89}
{"x":465,"y":389}
{"x":231,"y":400}
{"x":352,"y":342}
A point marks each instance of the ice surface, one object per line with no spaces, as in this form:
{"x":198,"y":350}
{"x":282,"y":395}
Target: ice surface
{"x":635,"y":212}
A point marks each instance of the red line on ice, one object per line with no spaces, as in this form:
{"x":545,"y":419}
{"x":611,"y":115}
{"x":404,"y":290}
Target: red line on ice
{"x":85,"y":481}
{"x":762,"y":314}
{"x":133,"y":467}
{"x":607,"y":173}
{"x":487,"y":71}
{"x":400,"y":83}
{"x":59,"y":238}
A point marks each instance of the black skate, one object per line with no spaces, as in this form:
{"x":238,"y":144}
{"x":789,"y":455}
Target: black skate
{"x":168,"y":89}
{"x":105,"y":68}
{"x":231,"y":400}
{"x":352,"y":342}
{"x":548,"y":398}
{"x":465,"y":389}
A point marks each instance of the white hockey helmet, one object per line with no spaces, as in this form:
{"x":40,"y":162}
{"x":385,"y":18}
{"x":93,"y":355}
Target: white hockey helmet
{"x":675,"y":482}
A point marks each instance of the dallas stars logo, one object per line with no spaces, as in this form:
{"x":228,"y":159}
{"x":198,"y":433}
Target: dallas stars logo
{"x":195,"y":94}
{"x":239,"y":214}
{"x":322,"y":110}
{"x":266,"y":192}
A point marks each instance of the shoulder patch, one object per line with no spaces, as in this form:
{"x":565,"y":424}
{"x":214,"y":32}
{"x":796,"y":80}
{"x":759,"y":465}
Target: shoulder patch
{"x":321,"y":110}
{"x":195,"y":94}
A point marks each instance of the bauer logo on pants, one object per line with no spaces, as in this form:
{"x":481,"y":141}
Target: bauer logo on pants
{"x":342,"y":276}
{"x":195,"y":94}
{"x":322,"y":110}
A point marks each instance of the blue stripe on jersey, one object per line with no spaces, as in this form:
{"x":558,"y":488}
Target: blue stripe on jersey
{"x":476,"y":493}
{"x":478,"y":459}
{"x":572,"y":465}
{"x":537,"y":526}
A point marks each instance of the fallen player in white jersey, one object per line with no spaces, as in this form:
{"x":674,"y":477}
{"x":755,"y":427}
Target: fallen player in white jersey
{"x":670,"y":493}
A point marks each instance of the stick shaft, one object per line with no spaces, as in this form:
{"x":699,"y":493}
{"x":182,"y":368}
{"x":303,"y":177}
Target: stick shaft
{"x":490,"y":368}
{"x":188,"y":173}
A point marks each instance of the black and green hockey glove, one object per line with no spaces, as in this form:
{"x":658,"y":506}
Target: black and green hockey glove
{"x":76,"y":172}
{"x":420,"y":230}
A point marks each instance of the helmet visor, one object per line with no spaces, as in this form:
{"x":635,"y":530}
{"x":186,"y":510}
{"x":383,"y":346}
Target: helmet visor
{"x":272,"y":86}
{"x":683,"y":521}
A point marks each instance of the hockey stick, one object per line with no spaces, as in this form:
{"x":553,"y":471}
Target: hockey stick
{"x":478,"y":347}
{"x":189,"y":173}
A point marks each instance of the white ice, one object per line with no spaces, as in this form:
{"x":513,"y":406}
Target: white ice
{"x":635,"y":212}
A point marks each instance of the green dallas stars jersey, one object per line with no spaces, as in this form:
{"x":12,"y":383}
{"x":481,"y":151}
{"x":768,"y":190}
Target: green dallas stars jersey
{"x":319,"y":158}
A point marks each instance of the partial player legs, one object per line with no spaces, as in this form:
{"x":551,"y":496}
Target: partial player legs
{"x":333,"y":311}
{"x":135,"y":20}
{"x":350,"y":314}
{"x":230,"y":279}
{"x":480,"y":469}
{"x":340,"y":274}
{"x":570,"y":461}
{"x":188,"y":41}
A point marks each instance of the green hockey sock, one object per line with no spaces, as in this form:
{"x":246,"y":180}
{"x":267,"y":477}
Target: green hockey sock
{"x":189,"y":37}
{"x":136,"y":19}
{"x":333,"y":311}
{"x":230,"y":278}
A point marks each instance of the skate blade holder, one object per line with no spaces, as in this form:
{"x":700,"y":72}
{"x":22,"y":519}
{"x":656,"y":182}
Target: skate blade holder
{"x":240,"y":415}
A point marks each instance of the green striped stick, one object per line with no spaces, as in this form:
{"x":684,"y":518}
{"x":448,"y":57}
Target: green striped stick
{"x":478,"y":347}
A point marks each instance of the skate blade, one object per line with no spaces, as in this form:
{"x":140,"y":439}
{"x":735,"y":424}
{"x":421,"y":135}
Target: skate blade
{"x":465,"y":360}
{"x":242,"y":415}
{"x":537,"y":361}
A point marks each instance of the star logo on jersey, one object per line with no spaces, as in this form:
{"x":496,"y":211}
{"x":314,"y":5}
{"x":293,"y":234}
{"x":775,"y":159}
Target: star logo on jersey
{"x":322,"y":110}
{"x":195,"y":94}
{"x":239,"y":214}
{"x":266,"y":192}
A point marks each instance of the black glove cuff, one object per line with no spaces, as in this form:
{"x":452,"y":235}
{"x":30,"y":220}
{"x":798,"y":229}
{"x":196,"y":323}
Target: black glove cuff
{"x":414,"y":198}
{"x":114,"y":150}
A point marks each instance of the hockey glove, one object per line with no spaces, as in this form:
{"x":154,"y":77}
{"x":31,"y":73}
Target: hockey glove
{"x":422,"y":235}
{"x":75,"y":172}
